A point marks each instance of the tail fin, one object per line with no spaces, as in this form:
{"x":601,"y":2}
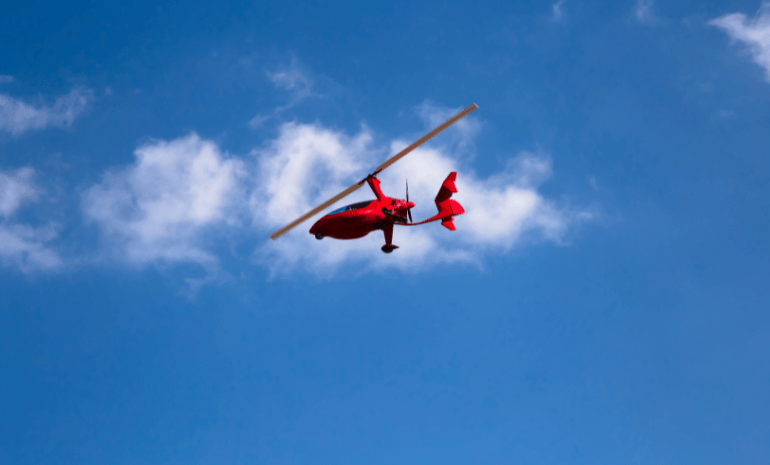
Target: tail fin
{"x":447,"y":188}
{"x":448,"y":208}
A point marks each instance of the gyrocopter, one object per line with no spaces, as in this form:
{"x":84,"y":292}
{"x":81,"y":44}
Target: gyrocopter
{"x":359,"y":219}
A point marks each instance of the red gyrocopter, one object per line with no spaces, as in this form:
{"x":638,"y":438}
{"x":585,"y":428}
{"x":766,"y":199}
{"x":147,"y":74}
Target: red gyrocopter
{"x":359,"y":219}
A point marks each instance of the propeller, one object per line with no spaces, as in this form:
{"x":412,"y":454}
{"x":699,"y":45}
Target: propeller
{"x":408,"y":208}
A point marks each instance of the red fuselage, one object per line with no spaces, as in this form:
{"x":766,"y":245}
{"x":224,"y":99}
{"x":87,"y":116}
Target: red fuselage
{"x":359,"y":219}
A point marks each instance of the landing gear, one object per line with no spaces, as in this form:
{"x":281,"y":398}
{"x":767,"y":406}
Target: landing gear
{"x":388,"y":248}
{"x":319,"y":236}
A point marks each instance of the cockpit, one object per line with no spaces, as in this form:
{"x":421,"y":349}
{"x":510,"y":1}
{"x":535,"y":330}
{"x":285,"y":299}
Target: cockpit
{"x":353,"y":206}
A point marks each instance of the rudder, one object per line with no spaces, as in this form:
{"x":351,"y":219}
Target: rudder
{"x":448,"y":208}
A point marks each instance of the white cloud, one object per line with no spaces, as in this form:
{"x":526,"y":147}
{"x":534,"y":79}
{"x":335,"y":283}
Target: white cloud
{"x":592,"y":181}
{"x":16,"y":188}
{"x":292,"y":79}
{"x":307,"y":164}
{"x":557,"y":11}
{"x":643,"y":11}
{"x":725,"y":114}
{"x":22,"y":246}
{"x":755,"y":33}
{"x":304,"y":163}
{"x":163,"y":207}
{"x":18,"y":117}
{"x":5,"y":79}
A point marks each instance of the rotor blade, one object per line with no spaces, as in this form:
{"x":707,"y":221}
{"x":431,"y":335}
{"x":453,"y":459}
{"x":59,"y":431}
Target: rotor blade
{"x":426,"y":137}
{"x":409,"y":212}
{"x":317,"y":209}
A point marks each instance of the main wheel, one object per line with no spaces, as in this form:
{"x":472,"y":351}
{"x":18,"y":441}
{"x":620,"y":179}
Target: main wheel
{"x":319,"y":236}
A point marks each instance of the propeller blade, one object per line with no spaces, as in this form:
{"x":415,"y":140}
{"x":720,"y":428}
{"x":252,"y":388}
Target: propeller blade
{"x":389,"y":162}
{"x":408,"y":208}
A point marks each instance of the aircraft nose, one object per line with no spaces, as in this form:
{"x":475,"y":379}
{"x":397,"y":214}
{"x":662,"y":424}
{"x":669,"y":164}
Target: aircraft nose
{"x":410,"y":204}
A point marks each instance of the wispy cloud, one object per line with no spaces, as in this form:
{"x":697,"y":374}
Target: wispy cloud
{"x":292,"y":79}
{"x":24,"y":247}
{"x":16,"y":187}
{"x":592,"y":181}
{"x":161,"y":208}
{"x":17,"y":116}
{"x":5,"y":79}
{"x":463,"y":132}
{"x":754,"y":33}
{"x":557,"y":12}
{"x":644,"y":11}
{"x":725,"y":114}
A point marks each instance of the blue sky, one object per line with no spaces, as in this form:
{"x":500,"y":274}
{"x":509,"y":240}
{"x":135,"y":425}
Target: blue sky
{"x":604,"y":300}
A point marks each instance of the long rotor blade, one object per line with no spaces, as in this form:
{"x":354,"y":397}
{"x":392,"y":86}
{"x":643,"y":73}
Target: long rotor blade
{"x":317,"y":209}
{"x":426,"y":137}
{"x":389,"y":162}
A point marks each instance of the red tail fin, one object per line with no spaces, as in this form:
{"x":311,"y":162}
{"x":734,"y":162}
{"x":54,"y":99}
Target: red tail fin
{"x":448,"y":208}
{"x":447,"y":188}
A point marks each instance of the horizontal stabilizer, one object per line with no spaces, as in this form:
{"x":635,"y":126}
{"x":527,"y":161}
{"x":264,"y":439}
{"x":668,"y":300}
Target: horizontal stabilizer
{"x":449,"y":208}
